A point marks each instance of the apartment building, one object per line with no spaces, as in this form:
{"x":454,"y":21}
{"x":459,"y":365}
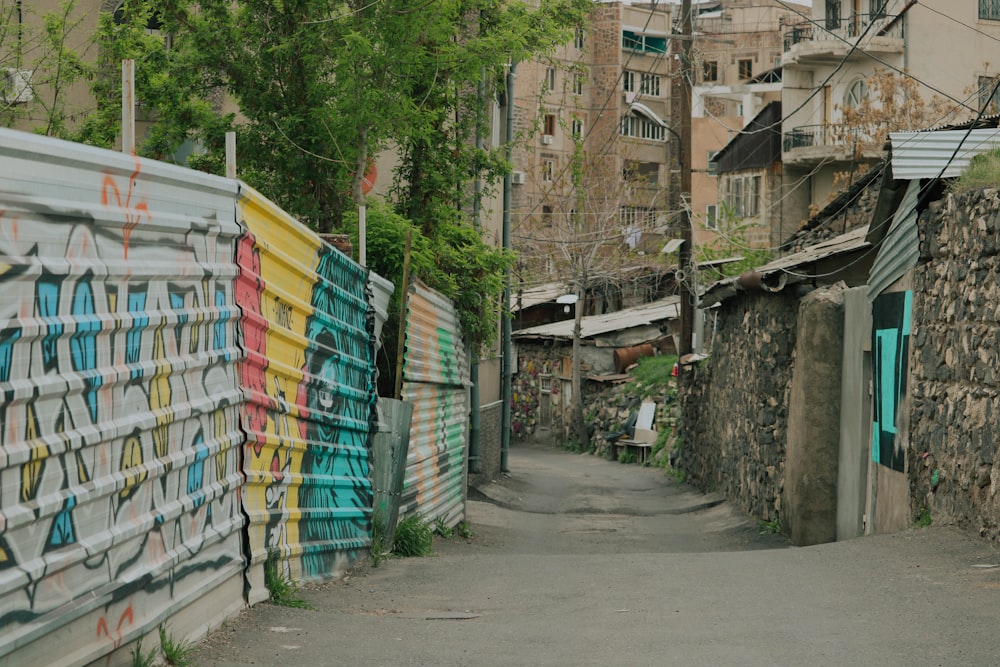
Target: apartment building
{"x":599,"y":144}
{"x":947,"y":48}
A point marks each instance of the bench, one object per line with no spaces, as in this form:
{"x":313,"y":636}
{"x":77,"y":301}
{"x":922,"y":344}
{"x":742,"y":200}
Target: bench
{"x":639,"y":448}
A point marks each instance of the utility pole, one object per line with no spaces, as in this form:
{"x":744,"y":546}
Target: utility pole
{"x":686,"y":254}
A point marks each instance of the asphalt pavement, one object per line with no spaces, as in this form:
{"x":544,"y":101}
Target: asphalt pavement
{"x":578,"y":561}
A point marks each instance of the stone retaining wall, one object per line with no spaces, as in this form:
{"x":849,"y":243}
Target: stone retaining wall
{"x":955,"y":364}
{"x":735,"y":407}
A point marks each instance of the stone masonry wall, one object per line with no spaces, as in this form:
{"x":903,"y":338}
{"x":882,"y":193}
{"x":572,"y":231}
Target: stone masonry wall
{"x":735,"y":413}
{"x":955,"y":364}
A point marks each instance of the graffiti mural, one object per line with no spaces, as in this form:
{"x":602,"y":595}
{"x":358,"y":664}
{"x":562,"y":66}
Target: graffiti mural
{"x":309,"y":378}
{"x":119,"y":425}
{"x":891,"y":314}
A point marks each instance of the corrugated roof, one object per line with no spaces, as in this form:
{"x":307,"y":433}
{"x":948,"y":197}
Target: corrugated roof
{"x":620,"y":320}
{"x":900,"y":248}
{"x":938,"y":154}
{"x":546,"y":293}
{"x":782,"y":271}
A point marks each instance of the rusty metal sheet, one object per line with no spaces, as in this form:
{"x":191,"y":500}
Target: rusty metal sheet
{"x":435,"y":381}
{"x":309,"y":383}
{"x":119,"y":415}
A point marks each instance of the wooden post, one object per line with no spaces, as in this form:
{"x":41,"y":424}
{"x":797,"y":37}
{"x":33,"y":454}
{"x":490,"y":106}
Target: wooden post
{"x":230,"y":155}
{"x":128,"y":107}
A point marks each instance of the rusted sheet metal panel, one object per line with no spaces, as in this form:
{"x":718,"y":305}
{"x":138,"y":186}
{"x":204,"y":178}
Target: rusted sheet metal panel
{"x":435,"y":381}
{"x":309,"y":382}
{"x":119,"y":416}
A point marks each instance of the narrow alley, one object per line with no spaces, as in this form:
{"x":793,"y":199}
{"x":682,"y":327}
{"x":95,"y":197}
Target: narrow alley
{"x":574,"y":560}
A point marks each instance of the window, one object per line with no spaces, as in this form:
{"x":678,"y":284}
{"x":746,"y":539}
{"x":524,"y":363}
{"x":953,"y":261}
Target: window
{"x":550,"y":78}
{"x":550,"y":124}
{"x":645,"y":43}
{"x":639,"y":126}
{"x":650,"y":130}
{"x":641,"y":172}
{"x":628,"y":82}
{"x":856,"y":92}
{"x":547,"y":215}
{"x":629,"y":125}
{"x":649,"y":84}
{"x":548,"y":171}
{"x":710,"y":71}
{"x":576,"y":128}
{"x":743,"y":196}
{"x":989,"y":9}
{"x":712,"y":165}
{"x":578,"y":84}
{"x":632,"y":217}
{"x":712,"y":216}
{"x":832,"y":14}
{"x":745,"y":68}
{"x":989,"y":94}
{"x":578,"y":40}
{"x":877,"y":8}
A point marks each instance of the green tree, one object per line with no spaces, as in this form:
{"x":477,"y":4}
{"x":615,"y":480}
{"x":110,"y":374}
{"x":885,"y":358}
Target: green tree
{"x":732,"y":242}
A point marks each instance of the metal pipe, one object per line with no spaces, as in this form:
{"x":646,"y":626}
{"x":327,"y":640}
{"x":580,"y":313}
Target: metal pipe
{"x":505,"y":365}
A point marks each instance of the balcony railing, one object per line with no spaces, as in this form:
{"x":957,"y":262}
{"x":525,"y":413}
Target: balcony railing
{"x":832,"y":28}
{"x":830,"y":134}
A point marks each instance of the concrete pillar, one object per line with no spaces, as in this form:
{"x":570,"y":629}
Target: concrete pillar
{"x":813,"y":445}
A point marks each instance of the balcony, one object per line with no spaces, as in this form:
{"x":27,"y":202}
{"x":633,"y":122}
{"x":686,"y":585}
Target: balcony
{"x":830,"y":40}
{"x":810,"y":145}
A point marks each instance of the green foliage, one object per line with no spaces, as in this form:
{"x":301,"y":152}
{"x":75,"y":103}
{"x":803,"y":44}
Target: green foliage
{"x":378,"y":550}
{"x":983,"y":172}
{"x":464,"y":531}
{"x":41,"y":45}
{"x":625,"y":456}
{"x":140,"y":658}
{"x":442,"y":529}
{"x":282,"y":590}
{"x":676,"y":473}
{"x":176,"y":653}
{"x":652,"y":377}
{"x":414,"y":538}
{"x":923,"y":518}
{"x":455,"y":261}
{"x":732,"y":241}
{"x":772,"y":527}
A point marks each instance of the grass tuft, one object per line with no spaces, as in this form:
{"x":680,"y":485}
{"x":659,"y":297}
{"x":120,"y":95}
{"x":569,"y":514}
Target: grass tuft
{"x":282,"y":590}
{"x":140,"y":658}
{"x":983,"y":171}
{"x":414,"y":538}
{"x":176,"y":653}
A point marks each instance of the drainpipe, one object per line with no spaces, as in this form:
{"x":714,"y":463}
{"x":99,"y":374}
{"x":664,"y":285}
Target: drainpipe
{"x":506,"y":366}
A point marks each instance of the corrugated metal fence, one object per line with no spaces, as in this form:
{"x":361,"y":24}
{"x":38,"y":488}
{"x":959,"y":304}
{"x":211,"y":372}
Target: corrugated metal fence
{"x":435,"y":378}
{"x":187,"y":384}
{"x":119,"y":470}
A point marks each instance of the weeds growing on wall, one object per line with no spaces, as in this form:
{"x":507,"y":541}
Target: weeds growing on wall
{"x":282,"y":590}
{"x":140,"y":658}
{"x":175,"y":653}
{"x":772,"y":527}
{"x":414,"y":538}
{"x":653,"y":377}
{"x":983,"y":171}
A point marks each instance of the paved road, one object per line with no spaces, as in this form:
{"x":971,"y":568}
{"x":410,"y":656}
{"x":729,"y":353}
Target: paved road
{"x":578,"y":561}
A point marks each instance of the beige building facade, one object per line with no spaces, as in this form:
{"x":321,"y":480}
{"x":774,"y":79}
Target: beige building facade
{"x":598,"y":135}
{"x":947,"y":47}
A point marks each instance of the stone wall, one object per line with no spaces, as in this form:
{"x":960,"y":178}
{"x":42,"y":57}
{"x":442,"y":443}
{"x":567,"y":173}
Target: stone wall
{"x":735,"y":405}
{"x":955,"y":364}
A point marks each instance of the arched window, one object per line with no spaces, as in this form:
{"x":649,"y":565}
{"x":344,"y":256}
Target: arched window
{"x":856,"y":92}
